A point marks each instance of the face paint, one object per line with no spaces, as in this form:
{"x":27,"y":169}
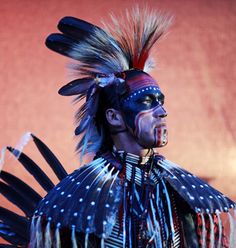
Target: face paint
{"x":150,"y":127}
{"x":142,"y":108}
{"x":143,"y":99}
{"x":144,"y":114}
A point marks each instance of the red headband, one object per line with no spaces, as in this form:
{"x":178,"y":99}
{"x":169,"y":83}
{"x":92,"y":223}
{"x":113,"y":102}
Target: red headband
{"x":137,"y":79}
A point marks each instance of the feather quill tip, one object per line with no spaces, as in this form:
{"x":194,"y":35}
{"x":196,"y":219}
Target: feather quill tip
{"x":2,"y":158}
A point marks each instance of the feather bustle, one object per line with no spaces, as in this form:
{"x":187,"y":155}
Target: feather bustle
{"x":51,"y":159}
{"x":18,"y":199}
{"x":17,"y":223}
{"x":21,"y":187}
{"x":33,"y":169}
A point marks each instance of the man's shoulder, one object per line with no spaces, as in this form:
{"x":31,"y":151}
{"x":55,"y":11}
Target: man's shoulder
{"x":200,"y":196}
{"x":91,"y":192}
{"x":92,"y":167}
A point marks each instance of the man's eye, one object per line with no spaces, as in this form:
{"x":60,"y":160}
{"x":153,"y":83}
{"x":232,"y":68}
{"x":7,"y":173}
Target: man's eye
{"x":147,"y":101}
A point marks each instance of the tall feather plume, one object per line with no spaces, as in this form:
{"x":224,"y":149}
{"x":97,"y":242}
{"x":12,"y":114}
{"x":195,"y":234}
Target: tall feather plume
{"x":136,"y":32}
{"x":102,"y":54}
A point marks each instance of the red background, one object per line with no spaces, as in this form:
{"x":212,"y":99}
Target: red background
{"x":196,"y":68}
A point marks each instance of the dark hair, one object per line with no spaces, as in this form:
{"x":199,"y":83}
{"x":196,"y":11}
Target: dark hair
{"x":109,"y":98}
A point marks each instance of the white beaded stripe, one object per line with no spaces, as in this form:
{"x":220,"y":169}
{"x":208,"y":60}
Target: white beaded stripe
{"x":141,"y":91}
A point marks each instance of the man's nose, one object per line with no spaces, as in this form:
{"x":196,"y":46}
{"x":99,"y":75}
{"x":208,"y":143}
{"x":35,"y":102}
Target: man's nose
{"x":160,"y":112}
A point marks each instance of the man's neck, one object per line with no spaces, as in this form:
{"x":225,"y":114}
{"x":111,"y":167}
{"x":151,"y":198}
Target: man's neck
{"x":126,"y":142}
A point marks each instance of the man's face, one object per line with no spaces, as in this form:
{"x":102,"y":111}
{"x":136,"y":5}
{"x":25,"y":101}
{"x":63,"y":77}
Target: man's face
{"x":145,"y":117}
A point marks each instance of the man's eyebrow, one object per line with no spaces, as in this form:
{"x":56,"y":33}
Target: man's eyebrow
{"x":156,"y":95}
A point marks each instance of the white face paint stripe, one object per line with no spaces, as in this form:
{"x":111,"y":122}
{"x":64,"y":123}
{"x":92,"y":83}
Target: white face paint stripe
{"x":139,"y":118}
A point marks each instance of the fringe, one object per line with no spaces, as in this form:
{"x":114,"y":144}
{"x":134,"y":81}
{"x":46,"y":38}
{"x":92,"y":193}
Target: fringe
{"x":162,"y":219}
{"x":203,"y":236}
{"x":234,"y":221}
{"x":232,"y":239}
{"x":152,"y":231}
{"x":220,"y":229}
{"x":130,"y":232}
{"x":212,"y":236}
{"x":57,"y":237}
{"x":169,"y":209}
{"x":124,"y":217}
{"x":159,"y":213}
{"x":32,"y":234}
{"x":47,"y":238}
{"x":39,"y":236}
{"x":86,"y":240}
{"x":157,"y":226}
{"x":138,"y":198}
{"x":102,"y":243}
{"x":73,"y":237}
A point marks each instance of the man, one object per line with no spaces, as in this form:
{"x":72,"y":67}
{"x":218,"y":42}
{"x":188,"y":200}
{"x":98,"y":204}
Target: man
{"x":129,"y":195}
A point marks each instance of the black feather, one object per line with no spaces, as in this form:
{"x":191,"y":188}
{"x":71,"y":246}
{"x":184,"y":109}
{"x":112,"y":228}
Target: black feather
{"x":8,"y":246}
{"x":82,"y":125}
{"x":10,"y":236}
{"x":61,"y":44}
{"x":17,"y":224}
{"x":51,"y":159}
{"x":17,"y":199}
{"x":33,"y":169}
{"x":76,"y":28}
{"x":76,"y":87}
{"x":22,"y":188}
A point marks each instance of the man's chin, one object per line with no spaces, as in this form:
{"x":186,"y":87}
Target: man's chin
{"x":153,"y":145}
{"x":162,"y":143}
{"x":160,"y":136}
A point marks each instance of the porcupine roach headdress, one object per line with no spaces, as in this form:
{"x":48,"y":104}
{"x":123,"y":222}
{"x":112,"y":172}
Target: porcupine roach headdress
{"x":105,"y":59}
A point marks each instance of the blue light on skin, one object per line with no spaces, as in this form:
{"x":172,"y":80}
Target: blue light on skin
{"x":144,"y":115}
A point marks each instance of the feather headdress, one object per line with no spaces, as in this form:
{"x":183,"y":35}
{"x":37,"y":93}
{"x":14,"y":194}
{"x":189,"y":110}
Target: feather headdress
{"x":104,"y":55}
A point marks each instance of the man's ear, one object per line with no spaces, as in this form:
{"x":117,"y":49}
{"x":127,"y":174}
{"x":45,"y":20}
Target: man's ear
{"x":114,"y":118}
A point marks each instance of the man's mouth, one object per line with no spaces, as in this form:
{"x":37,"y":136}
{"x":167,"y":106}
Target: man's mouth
{"x":160,"y":125}
{"x":160,"y":134}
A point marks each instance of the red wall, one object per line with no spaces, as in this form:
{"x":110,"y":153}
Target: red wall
{"x":196,"y":69}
